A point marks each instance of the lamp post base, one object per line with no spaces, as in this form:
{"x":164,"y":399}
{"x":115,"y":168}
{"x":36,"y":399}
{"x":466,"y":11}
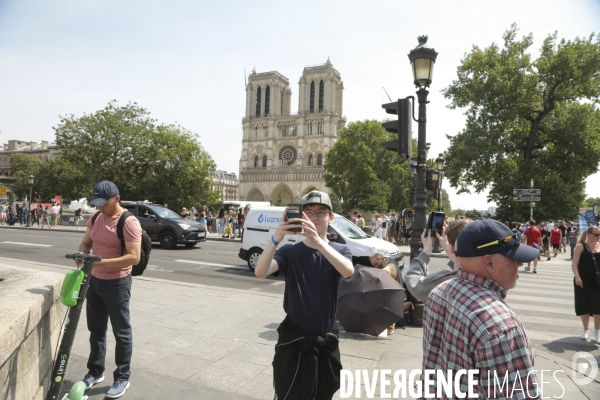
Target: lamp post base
{"x":436,"y":246}
{"x":28,"y":225}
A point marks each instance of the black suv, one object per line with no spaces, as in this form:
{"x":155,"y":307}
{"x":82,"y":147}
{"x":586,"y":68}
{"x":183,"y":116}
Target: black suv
{"x":165,"y":226}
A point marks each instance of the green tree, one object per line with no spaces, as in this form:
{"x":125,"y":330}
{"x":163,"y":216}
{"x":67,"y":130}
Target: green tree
{"x":473,"y":214}
{"x":591,"y":202}
{"x":280,"y":201}
{"x":366,"y":175}
{"x":146,"y":160}
{"x":528,"y":119}
{"x":23,"y":166}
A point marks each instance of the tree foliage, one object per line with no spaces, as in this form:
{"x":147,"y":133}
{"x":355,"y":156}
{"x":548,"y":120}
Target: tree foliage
{"x":146,"y":160}
{"x":25,"y":165}
{"x":359,"y":170}
{"x":528,"y":119}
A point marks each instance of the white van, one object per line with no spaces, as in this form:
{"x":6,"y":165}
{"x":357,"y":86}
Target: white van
{"x":261,"y":223}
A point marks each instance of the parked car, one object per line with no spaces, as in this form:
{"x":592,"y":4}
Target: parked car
{"x":165,"y":226}
{"x":261,"y":223}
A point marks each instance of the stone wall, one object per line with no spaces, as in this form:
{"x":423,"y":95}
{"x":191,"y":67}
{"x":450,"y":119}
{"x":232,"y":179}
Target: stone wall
{"x":30,"y":318}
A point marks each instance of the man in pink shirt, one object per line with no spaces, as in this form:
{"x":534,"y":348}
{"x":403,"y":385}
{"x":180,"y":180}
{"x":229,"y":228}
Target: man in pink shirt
{"x":110,"y":286}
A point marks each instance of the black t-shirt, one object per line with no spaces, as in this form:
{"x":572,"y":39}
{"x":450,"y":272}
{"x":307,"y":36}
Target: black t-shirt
{"x":311,"y":286}
{"x":544,"y":233}
{"x":563,"y":230}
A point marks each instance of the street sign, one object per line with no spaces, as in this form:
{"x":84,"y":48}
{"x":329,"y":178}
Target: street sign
{"x":527,"y":192}
{"x":527,"y":198}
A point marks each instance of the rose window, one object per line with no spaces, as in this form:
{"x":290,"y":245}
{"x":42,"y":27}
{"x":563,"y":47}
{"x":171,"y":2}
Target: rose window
{"x":287,"y":155}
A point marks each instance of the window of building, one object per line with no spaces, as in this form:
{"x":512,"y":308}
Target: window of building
{"x":267,"y":100}
{"x":310,"y":160}
{"x":312,"y":97}
{"x":321,"y":94}
{"x":264,"y":161}
{"x":320,"y":159}
{"x":255,"y":161}
{"x":287,"y":155}
{"x":258,"y":100}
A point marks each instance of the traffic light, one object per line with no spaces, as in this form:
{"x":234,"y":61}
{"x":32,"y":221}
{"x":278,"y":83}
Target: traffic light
{"x":432,"y":179}
{"x":403,"y":127}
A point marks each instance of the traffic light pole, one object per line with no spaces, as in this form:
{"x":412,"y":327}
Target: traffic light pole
{"x":420,"y":207}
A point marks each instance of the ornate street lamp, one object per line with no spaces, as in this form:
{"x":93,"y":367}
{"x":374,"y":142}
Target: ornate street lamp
{"x":422,"y":59}
{"x":30,"y":180}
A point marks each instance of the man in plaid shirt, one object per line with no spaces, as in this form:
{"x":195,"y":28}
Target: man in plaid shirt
{"x":468,"y":326}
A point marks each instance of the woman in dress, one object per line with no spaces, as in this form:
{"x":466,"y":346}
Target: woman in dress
{"x":45,"y":220}
{"x":586,"y":260}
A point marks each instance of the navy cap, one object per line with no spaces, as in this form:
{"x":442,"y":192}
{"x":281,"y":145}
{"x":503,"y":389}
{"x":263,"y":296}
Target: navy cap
{"x":102,"y":192}
{"x":488,"y":236}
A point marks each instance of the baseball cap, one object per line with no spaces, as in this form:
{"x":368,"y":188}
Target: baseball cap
{"x":102,"y":192}
{"x":488,"y":236}
{"x":316,"y":197}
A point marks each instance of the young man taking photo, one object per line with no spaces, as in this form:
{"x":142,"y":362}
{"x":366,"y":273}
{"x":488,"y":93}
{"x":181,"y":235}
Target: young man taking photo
{"x":110,"y":286}
{"x":307,"y":357}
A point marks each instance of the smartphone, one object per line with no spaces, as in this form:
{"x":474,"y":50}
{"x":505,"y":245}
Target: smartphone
{"x":294,"y":211}
{"x":435,"y":223}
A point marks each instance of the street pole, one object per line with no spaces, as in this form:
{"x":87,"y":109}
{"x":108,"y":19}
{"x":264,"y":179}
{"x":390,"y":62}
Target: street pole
{"x":29,"y":223}
{"x":531,"y":205}
{"x":420,"y":207}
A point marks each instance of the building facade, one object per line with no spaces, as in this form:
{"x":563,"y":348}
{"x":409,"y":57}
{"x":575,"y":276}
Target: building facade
{"x":44,"y":151}
{"x":283,"y":152}
{"x":227,"y":185}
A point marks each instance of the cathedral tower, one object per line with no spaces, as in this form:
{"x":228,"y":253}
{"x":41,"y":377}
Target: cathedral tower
{"x":283,"y":153}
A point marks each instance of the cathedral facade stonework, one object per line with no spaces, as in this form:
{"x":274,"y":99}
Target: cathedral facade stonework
{"x":283,"y":152}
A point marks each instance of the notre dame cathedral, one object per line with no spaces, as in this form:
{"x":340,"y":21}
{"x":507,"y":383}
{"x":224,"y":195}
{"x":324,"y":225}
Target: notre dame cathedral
{"x":283,"y":152}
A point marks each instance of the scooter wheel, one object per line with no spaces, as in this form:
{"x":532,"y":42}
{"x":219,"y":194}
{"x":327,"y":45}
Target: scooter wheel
{"x":77,"y":392}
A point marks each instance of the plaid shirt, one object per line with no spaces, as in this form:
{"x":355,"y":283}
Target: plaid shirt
{"x":467,"y":325}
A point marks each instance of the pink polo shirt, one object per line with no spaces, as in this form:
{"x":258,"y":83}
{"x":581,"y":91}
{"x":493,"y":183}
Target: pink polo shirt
{"x":107,"y":245}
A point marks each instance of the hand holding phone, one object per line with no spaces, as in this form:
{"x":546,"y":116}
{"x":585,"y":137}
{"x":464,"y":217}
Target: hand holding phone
{"x":435,"y":223}
{"x":294,"y":211}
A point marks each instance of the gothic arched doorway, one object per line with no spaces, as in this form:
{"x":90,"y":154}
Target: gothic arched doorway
{"x":282,"y":195}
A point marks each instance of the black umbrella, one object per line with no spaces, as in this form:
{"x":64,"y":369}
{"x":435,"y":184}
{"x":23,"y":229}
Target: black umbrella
{"x":369,"y":301}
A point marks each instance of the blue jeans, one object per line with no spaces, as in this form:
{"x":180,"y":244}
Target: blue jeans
{"x":23,"y":219}
{"x":109,"y":299}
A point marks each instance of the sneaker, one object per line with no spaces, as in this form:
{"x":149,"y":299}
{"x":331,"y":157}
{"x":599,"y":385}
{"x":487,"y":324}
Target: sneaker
{"x":527,"y":268}
{"x":597,"y":336}
{"x":549,"y":259}
{"x":390,"y":330}
{"x":584,"y":335}
{"x":117,"y":389}
{"x":90,"y":380}
{"x":534,"y":270}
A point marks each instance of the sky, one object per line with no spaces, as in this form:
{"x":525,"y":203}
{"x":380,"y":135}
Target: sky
{"x":184,"y":61}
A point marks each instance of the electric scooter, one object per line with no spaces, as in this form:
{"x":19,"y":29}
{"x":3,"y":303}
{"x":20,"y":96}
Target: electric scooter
{"x":72,"y":295}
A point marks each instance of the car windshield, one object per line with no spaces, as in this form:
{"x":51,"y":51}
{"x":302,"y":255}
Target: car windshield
{"x":164,"y":212}
{"x":348,"y":228}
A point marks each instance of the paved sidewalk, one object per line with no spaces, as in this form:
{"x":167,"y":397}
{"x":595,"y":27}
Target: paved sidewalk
{"x":196,"y":341}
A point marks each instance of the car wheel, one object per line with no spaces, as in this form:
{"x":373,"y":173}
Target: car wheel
{"x":253,"y":258}
{"x":191,"y":244}
{"x":167,"y":239}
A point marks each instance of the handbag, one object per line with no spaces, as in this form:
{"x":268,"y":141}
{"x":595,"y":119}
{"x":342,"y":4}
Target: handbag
{"x":595,"y":264}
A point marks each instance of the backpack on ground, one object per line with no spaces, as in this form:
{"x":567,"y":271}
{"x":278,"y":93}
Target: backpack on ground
{"x":146,"y":247}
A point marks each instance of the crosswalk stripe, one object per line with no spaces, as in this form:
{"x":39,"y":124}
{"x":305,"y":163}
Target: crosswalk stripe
{"x":28,"y":244}
{"x":570,"y":310}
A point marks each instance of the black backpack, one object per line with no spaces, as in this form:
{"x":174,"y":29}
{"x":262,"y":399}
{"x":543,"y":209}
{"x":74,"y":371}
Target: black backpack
{"x":138,"y":269}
